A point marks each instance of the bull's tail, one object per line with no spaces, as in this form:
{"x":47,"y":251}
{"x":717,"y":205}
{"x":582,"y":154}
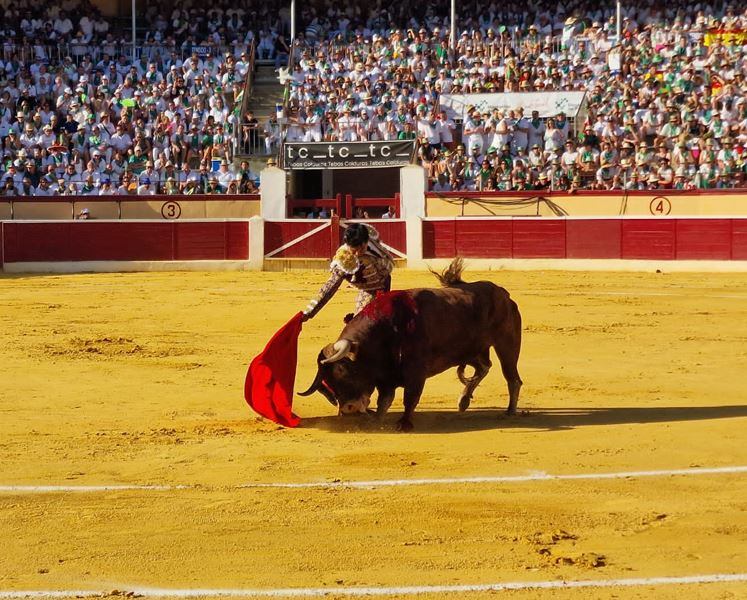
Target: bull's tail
{"x":452,"y":274}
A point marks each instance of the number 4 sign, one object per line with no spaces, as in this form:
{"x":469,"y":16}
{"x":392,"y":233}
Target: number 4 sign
{"x":660,"y":206}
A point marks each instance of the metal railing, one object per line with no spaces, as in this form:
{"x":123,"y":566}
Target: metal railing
{"x":56,"y":53}
{"x":156,"y":184}
{"x":513,"y":40}
{"x":316,"y":208}
{"x":294,"y":49}
{"x":239,"y":134}
{"x":254,"y":141}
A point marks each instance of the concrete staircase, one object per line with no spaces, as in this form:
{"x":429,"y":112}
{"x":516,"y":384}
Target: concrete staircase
{"x":267,"y":91}
{"x":266,"y":94}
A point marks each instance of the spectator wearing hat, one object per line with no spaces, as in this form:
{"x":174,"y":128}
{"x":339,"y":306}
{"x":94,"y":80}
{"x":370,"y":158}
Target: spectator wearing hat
{"x":225,"y":175}
{"x":152,"y":173}
{"x":587,"y":162}
{"x":474,"y":130}
{"x":105,"y":187}
{"x":171,"y":187}
{"x":570,"y":155}
{"x":213,"y":186}
{"x":146,"y":187}
{"x":653,"y":181}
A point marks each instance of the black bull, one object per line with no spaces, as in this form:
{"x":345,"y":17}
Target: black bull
{"x":402,"y":338}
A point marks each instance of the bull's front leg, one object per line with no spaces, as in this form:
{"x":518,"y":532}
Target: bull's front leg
{"x":384,"y":401}
{"x":413,"y":390}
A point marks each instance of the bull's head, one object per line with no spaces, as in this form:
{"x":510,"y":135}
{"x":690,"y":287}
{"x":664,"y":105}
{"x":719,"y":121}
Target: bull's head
{"x":341,"y":379}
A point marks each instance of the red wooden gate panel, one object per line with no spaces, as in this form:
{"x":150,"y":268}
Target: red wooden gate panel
{"x":294,"y":238}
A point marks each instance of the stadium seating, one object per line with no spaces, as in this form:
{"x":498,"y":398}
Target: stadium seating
{"x":666,"y":104}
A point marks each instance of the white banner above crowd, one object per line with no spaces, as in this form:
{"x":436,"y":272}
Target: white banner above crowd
{"x":548,"y":104}
{"x":347,"y":155}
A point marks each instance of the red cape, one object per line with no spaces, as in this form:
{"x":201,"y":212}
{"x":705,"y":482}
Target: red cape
{"x":268,"y":388}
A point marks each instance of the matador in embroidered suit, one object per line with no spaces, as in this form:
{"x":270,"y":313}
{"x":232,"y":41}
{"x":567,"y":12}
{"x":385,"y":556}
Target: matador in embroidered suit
{"x":363,"y":262}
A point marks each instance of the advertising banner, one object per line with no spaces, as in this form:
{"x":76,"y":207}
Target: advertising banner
{"x":548,"y":104}
{"x":299,"y":156}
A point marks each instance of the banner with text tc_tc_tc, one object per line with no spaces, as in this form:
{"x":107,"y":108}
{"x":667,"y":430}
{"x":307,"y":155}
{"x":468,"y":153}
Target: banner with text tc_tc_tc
{"x":298,"y":156}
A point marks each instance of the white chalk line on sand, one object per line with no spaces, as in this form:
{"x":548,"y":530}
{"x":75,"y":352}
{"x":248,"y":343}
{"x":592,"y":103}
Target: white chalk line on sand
{"x":384,"y":591}
{"x":540,"y":476}
{"x":379,"y":483}
{"x":50,"y":489}
{"x":676,"y":292}
{"x":634,"y":294}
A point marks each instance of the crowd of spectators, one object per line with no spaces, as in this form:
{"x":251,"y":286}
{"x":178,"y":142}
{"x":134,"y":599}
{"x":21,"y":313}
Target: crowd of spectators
{"x":79,"y":116}
{"x":667,"y":101}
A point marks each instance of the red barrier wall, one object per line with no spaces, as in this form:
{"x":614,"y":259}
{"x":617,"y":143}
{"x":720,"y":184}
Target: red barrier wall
{"x":701,"y":239}
{"x":539,"y":239}
{"x":593,"y":239}
{"x":617,"y":238}
{"x":439,"y":239}
{"x":649,"y":239}
{"x":126,"y":241}
{"x":739,"y":239}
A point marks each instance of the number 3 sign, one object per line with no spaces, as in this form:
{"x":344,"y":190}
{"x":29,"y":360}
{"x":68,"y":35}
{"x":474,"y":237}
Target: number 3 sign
{"x":171,"y":210}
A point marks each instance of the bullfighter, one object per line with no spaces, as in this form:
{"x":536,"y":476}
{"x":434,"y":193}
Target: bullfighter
{"x":362,"y":261}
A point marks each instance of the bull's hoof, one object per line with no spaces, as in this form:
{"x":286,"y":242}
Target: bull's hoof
{"x":404,"y":425}
{"x":511,"y":412}
{"x":464,"y":403}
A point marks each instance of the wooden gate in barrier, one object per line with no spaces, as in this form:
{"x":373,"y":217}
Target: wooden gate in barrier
{"x":320,"y":238}
{"x":296,"y":238}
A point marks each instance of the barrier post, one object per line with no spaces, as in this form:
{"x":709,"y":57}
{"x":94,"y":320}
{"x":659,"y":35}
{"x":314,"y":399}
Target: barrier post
{"x":338,"y":205}
{"x":349,"y":206}
{"x":273,"y":193}
{"x":256,"y":243}
{"x":412,"y":206}
{"x":334,"y":235}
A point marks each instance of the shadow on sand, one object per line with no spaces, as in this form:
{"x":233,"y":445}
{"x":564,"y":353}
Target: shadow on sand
{"x":543,"y":419}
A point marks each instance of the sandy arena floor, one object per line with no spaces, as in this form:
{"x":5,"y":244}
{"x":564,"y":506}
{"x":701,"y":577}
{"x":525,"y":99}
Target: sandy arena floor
{"x":138,"y":379}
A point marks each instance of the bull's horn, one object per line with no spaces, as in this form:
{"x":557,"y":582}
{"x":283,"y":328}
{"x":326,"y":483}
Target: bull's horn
{"x":314,"y":386}
{"x":341,"y":348}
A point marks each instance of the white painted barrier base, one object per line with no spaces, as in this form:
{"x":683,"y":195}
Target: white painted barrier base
{"x":473,"y":264}
{"x":588,"y":264}
{"x":122,"y":266}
